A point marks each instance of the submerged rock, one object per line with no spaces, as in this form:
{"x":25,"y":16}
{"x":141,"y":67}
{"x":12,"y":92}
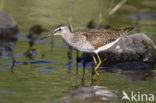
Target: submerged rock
{"x":8,"y":27}
{"x":129,"y":48}
{"x":90,"y":94}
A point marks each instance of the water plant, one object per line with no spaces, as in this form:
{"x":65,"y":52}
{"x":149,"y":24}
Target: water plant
{"x":2,"y":2}
{"x":152,"y":54}
{"x":111,"y":10}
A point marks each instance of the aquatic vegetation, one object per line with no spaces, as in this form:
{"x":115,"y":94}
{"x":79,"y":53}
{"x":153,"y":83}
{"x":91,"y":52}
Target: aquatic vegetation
{"x":2,"y":2}
{"x":116,"y":7}
{"x":104,"y":17}
{"x":151,"y":50}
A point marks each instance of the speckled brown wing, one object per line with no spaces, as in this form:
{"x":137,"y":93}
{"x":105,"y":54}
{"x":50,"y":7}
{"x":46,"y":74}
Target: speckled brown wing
{"x":100,"y":37}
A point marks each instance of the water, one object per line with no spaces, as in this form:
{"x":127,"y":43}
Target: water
{"x":46,"y":79}
{"x":5,"y":91}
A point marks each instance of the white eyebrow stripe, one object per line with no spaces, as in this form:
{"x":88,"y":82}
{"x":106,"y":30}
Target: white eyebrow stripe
{"x":56,"y":29}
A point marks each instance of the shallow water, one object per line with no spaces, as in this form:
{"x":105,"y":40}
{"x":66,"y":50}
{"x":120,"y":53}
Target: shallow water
{"x":48,"y":78}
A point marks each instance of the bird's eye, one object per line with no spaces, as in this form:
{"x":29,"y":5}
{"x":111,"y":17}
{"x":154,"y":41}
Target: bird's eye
{"x":59,"y":29}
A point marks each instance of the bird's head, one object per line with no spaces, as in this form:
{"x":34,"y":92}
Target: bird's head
{"x":61,"y":30}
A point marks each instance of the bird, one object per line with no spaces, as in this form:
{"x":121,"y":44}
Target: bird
{"x":91,"y":40}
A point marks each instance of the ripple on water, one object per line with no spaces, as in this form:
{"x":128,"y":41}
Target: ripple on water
{"x":45,"y":74}
{"x":40,"y":61}
{"x":49,"y":67}
{"x":80,"y":65}
{"x":36,"y":62}
{"x":45,"y":69}
{"x":5,"y":67}
{"x":131,"y":65}
{"x":6,"y":62}
{"x":2,"y":69}
{"x":1,"y":99}
{"x":140,"y":16}
{"x":6,"y":91}
{"x":40,"y":70}
{"x":7,"y":55}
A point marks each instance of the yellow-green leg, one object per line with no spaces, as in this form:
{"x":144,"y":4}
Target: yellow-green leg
{"x":94,"y":60}
{"x":97,"y":66}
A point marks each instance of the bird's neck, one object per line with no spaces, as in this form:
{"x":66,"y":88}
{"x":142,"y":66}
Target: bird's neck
{"x":68,"y":37}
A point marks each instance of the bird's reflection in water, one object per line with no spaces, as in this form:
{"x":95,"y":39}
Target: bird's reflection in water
{"x":129,"y":71}
{"x":69,"y":55}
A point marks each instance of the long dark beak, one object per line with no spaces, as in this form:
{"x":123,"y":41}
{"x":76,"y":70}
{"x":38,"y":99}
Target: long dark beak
{"x":49,"y":35}
{"x":45,"y":37}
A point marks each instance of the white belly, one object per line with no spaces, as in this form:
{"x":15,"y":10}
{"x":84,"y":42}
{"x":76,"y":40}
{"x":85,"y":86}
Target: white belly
{"x":84,"y":47}
{"x":107,"y":46}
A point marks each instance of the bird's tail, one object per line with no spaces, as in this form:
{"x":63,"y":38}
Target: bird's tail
{"x":125,"y":31}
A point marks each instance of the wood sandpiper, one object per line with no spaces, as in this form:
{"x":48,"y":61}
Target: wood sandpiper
{"x":91,"y":40}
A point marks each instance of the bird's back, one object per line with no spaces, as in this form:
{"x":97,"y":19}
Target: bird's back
{"x":100,"y":37}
